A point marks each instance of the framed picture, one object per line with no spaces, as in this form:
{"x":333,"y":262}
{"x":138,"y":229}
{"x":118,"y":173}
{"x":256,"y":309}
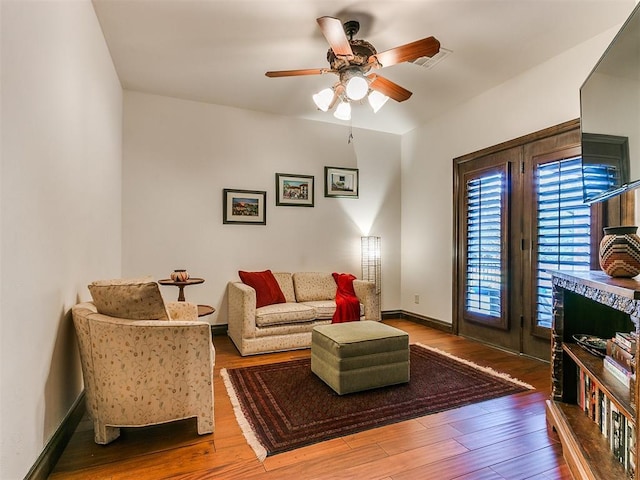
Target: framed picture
{"x":248,"y":207}
{"x":340,"y":182}
{"x":294,"y":190}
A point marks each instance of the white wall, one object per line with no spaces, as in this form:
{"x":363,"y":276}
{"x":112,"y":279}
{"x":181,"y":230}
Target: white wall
{"x":541,"y":97}
{"x":60,"y":199}
{"x":70,"y":213}
{"x":180,"y":155}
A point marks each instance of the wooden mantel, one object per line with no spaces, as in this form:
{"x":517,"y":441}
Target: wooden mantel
{"x":620,"y":293}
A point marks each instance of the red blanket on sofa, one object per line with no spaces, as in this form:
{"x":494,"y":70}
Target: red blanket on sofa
{"x":347,"y":303}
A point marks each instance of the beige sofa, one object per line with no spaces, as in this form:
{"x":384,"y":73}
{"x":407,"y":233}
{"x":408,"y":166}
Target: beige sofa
{"x":310,"y":301}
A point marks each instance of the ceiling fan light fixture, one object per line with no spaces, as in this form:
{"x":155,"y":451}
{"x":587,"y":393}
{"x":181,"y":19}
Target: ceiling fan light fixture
{"x":323,"y":99}
{"x":343,"y":111}
{"x":357,"y":87}
{"x":377,"y":100}
{"x":353,"y":61}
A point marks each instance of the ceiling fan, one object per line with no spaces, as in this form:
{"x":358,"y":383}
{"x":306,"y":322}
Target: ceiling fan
{"x":354,"y":61}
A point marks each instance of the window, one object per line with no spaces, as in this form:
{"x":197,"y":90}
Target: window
{"x":484,"y":226}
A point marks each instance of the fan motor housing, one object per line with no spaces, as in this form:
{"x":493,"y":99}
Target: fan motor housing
{"x":362,"y":50}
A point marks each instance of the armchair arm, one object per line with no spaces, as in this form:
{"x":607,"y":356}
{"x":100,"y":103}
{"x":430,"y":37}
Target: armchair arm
{"x":242,"y":311}
{"x":366,"y":293}
{"x":152,"y":371}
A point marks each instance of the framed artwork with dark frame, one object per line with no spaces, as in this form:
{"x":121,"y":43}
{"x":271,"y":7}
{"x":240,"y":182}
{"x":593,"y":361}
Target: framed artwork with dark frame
{"x":244,"y":207}
{"x":294,"y":190}
{"x":340,"y":182}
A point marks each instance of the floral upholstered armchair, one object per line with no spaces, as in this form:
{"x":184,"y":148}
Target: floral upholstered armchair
{"x":144,"y":362}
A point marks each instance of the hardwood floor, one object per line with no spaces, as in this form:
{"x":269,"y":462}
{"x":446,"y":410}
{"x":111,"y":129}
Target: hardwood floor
{"x":505,"y":438}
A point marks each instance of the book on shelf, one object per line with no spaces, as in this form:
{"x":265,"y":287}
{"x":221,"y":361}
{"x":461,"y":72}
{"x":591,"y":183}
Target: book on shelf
{"x":605,"y":407}
{"x":590,"y":397}
{"x":580,"y":392}
{"x":593,"y":400}
{"x":618,"y":430}
{"x":621,"y":355}
{"x":627,"y":340}
{"x":619,"y":372}
{"x":618,"y":438}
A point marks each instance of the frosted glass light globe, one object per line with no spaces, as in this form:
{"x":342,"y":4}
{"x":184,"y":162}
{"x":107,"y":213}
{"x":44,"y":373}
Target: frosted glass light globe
{"x":323,"y":99}
{"x":343,"y":111}
{"x":377,"y":100}
{"x":357,"y":88}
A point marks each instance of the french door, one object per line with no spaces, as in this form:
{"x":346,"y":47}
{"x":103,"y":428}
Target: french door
{"x":487,"y":272}
{"x":519,"y":214}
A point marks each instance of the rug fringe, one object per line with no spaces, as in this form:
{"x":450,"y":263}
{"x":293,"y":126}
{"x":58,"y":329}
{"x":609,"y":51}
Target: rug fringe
{"x":488,"y":370}
{"x":245,"y":426}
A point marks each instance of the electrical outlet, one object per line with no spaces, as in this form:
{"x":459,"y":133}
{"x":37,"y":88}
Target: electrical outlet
{"x":416,"y":298}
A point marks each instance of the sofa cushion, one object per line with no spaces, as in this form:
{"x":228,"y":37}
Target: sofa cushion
{"x":325,"y":308}
{"x":313,"y":286}
{"x":285,"y":280}
{"x":264,"y":283}
{"x":134,"y":298}
{"x":284,"y":314}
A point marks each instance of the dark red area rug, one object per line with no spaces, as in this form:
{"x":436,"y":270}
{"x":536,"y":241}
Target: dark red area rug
{"x":283,"y":406}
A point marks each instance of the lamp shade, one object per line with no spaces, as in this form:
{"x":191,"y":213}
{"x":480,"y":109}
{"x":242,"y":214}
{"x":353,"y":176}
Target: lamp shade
{"x":323,"y":99}
{"x":343,"y":111}
{"x":370,"y":256}
{"x":377,"y":100}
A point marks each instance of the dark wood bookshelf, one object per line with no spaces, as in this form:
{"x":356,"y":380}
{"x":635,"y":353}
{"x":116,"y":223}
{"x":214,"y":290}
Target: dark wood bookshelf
{"x":585,"y":449}
{"x":590,"y":303}
{"x":612,"y":387}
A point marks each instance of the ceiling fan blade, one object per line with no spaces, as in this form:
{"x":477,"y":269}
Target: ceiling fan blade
{"x":427,"y":47}
{"x":333,"y":31}
{"x":297,"y":73}
{"x":389,"y":88}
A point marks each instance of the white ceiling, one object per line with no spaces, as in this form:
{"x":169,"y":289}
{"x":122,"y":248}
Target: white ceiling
{"x":217,"y":51}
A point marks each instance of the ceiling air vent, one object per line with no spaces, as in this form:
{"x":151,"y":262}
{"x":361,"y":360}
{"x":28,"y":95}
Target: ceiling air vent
{"x":430,"y":62}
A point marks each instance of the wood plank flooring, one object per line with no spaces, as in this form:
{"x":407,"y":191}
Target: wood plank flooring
{"x":505,"y":438}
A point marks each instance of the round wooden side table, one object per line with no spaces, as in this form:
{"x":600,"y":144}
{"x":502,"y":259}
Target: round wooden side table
{"x":181,"y":285}
{"x":203,"y":310}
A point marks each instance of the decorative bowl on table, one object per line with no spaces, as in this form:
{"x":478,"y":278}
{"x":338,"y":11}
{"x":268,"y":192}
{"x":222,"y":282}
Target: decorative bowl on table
{"x":592,"y":344}
{"x":179,"y":275}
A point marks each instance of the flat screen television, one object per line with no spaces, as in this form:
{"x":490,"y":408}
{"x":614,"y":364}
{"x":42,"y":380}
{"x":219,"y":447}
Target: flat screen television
{"x":610,"y":117}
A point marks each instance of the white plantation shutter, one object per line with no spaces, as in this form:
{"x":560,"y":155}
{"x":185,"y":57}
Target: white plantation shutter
{"x":485,"y":254}
{"x":563,"y":224}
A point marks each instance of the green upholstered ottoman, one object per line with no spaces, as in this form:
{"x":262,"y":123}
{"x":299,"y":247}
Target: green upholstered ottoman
{"x":355,"y":356}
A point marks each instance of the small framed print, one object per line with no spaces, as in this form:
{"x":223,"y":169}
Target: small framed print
{"x":294,"y":190}
{"x":340,"y":182}
{"x":246,"y":207}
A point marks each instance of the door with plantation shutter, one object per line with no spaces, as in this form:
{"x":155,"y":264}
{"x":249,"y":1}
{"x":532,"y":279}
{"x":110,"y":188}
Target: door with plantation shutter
{"x":561,"y":229}
{"x":519,"y":214}
{"x":486,"y":268}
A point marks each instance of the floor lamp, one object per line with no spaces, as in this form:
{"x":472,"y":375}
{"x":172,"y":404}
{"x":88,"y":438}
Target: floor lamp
{"x":370,"y":254}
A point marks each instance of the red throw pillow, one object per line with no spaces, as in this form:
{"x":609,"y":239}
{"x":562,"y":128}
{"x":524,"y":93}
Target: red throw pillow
{"x":266,"y":286}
